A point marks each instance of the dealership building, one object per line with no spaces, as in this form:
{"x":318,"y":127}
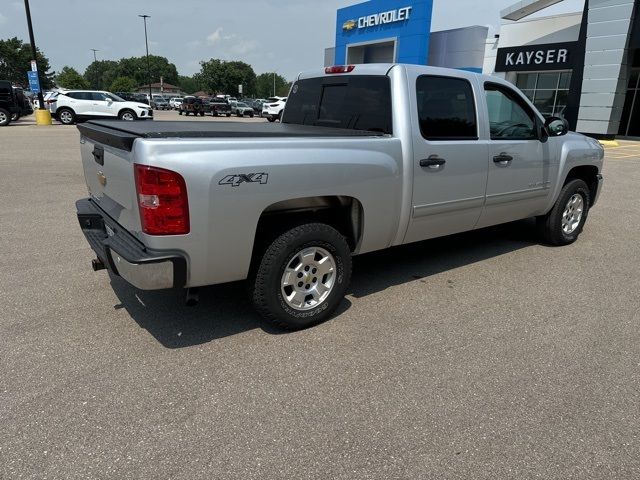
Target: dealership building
{"x":584,"y":66}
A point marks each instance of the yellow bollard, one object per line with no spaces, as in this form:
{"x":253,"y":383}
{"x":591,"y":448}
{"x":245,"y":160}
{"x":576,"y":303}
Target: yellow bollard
{"x":43,"y":117}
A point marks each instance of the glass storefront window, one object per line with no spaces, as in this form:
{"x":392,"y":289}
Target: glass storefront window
{"x":547,"y":90}
{"x":630,"y":121}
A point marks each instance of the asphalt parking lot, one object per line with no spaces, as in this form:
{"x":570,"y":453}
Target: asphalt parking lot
{"x":480,"y":356}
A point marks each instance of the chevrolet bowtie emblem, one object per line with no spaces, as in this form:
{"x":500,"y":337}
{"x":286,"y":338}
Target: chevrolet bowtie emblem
{"x":349,"y":25}
{"x":102,"y":179}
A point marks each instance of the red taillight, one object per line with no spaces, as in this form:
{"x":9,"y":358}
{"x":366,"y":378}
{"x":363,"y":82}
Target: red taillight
{"x":162,"y":199}
{"x":339,"y":69}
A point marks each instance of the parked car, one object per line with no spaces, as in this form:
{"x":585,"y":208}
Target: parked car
{"x":191,"y":104}
{"x":128,"y":96}
{"x":9,"y":104}
{"x":174,"y":102}
{"x":273,"y":108}
{"x":158,"y":102}
{"x":219,"y":106}
{"x":449,"y":151}
{"x":72,"y":105}
{"x":241,"y":109}
{"x":23,"y":103}
{"x":257,"y":105}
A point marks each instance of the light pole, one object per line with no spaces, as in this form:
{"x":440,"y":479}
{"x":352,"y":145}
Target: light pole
{"x":146,"y":42}
{"x":274,"y":84}
{"x":33,"y":49}
{"x":94,"y":54}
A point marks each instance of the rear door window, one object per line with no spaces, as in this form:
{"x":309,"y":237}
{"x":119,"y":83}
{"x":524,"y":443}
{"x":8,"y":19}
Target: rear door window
{"x":353,"y":102}
{"x":446,"y":108}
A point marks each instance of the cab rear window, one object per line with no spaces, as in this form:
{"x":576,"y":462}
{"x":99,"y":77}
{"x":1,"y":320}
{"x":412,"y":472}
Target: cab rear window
{"x":352,"y":102}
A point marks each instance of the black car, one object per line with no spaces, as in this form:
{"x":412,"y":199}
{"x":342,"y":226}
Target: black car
{"x":129,"y":96}
{"x":23,"y":103}
{"x":9,"y":104}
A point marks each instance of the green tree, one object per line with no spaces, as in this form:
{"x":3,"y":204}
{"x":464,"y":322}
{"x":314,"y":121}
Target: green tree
{"x":123,"y":84}
{"x":70,"y":78}
{"x":189,"y":84}
{"x":101,"y":74}
{"x":15,"y":62}
{"x":136,"y":68}
{"x":264,"y":85}
{"x":219,"y":76}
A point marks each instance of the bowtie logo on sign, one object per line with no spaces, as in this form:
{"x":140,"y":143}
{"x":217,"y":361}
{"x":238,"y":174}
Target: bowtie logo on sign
{"x":383,"y":18}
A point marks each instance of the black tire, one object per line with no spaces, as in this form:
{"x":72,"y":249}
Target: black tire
{"x":550,"y":225}
{"x":202,"y":114}
{"x":15,"y":117}
{"x":66,"y":116}
{"x":271,"y":119}
{"x":179,"y":112}
{"x":5,"y":117}
{"x":251,"y":115}
{"x":265,"y":282}
{"x":128,"y":115}
{"x":228,"y":115}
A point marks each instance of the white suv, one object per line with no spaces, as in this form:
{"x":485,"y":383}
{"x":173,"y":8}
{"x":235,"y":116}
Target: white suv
{"x":273,"y":108}
{"x":71,"y":105}
{"x":175,"y":102}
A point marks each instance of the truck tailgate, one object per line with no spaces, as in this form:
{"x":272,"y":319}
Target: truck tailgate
{"x":109,"y":176}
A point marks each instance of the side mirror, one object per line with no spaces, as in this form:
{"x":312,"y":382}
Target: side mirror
{"x":109,"y":101}
{"x":556,"y":127}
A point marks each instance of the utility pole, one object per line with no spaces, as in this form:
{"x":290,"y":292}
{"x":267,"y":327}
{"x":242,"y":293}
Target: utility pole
{"x":97,"y":84}
{"x":146,"y":42}
{"x":274,"y":84}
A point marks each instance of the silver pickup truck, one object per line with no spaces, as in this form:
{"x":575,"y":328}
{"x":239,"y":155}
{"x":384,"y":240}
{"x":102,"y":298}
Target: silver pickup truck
{"x":366,"y":157}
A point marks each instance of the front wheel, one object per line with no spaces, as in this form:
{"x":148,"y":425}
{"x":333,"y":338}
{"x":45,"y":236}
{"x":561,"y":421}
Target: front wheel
{"x":127,"y":115}
{"x":302,"y":276}
{"x":564,"y":223}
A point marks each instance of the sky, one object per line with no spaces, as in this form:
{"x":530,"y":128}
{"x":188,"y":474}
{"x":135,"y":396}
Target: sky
{"x":286,"y":36}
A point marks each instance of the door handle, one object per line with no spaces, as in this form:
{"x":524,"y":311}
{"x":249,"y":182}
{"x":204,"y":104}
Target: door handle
{"x":433,"y":162}
{"x":502,"y":159}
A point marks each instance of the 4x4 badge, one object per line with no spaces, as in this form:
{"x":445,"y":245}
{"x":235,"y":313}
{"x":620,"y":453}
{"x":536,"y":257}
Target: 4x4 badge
{"x":236,"y":180}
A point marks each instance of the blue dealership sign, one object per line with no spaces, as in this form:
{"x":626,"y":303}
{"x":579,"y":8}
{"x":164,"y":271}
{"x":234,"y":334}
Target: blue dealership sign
{"x":382,"y":29}
{"x":34,"y":83}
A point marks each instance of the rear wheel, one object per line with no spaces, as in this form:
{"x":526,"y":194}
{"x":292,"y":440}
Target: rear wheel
{"x":250,"y":114}
{"x":66,"y":116}
{"x":228,"y":115}
{"x":179,"y":112}
{"x":202,"y":114}
{"x":5,"y":117}
{"x":302,"y":276}
{"x":271,"y":119}
{"x":15,"y":117}
{"x":564,"y":223}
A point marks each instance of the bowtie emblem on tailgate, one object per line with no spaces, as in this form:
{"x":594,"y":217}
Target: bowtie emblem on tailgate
{"x":236,"y":180}
{"x":102,"y":179}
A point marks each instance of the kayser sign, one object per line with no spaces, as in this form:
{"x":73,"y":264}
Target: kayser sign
{"x":531,"y":58}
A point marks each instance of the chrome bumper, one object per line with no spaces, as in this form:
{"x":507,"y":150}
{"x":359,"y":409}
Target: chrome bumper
{"x":125,"y":256}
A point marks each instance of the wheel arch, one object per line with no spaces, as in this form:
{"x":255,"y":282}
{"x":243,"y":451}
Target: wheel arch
{"x":587,"y":173}
{"x":344,"y":213}
{"x":127,"y":109}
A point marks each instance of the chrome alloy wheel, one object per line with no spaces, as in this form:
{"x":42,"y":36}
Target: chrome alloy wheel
{"x":308,"y":278}
{"x":66,"y":117}
{"x":3,"y":117}
{"x":572,"y":214}
{"x":128,"y":116}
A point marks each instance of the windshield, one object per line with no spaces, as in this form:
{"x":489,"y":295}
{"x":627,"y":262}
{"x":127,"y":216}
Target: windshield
{"x":241,"y":104}
{"x":353,"y":102}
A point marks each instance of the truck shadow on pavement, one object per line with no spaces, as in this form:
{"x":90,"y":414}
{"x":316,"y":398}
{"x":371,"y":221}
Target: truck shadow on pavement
{"x":224,"y":309}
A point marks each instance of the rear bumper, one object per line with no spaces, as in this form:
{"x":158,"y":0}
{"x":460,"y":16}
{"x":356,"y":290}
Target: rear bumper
{"x":125,"y":256}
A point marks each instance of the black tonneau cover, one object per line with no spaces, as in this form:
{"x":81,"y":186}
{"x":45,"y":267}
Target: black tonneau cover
{"x":121,"y":134}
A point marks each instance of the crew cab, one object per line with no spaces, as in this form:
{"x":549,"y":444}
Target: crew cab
{"x":219,"y":106}
{"x":366,"y":157}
